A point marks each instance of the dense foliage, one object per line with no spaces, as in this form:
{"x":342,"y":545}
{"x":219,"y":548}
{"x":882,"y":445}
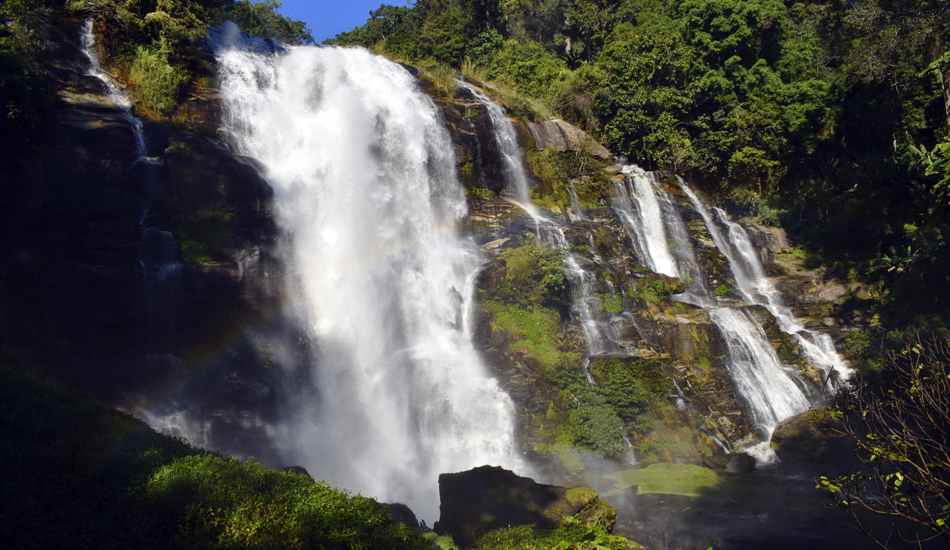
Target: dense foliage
{"x":78,"y":474}
{"x":829,"y":117}
{"x":149,"y":42}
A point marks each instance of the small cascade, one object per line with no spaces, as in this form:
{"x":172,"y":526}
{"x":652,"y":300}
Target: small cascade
{"x":636,"y":203}
{"x":586,"y":302}
{"x":382,"y":282}
{"x":649,"y":214}
{"x":157,"y":267}
{"x":116,"y":94}
{"x":583,"y":283}
{"x":757,"y":288}
{"x":575,"y":203}
{"x":756,"y":370}
{"x":507,"y":141}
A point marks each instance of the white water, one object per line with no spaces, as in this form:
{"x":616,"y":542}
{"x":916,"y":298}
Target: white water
{"x":507,"y":140}
{"x":760,"y":378}
{"x":116,"y":94}
{"x":757,"y":288}
{"x":363,"y":173}
{"x":586,"y":303}
{"x":639,"y":209}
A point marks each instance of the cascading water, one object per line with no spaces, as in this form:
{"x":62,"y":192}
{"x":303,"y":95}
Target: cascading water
{"x":365,"y":187}
{"x":157,"y":267}
{"x":114,"y":92}
{"x":586,"y":301}
{"x":639,"y":209}
{"x":757,"y":288}
{"x":659,"y":232}
{"x":758,"y":374}
{"x":507,"y":141}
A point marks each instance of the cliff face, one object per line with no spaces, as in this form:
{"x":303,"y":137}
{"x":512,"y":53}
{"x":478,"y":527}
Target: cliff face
{"x":95,"y":289}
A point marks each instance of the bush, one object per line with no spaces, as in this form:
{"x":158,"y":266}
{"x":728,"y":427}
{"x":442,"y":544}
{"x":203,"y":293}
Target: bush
{"x":158,"y":82}
{"x":533,"y":274}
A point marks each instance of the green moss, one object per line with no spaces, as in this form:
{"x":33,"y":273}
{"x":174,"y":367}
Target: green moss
{"x":481,"y":193}
{"x":674,"y":479}
{"x":654,"y":291}
{"x":580,"y":496}
{"x":535,"y":329}
{"x":722,"y":290}
{"x":204,"y":235}
{"x":611,"y":303}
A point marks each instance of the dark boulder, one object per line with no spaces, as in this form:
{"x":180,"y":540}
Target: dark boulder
{"x":810,"y":437}
{"x":486,"y":498}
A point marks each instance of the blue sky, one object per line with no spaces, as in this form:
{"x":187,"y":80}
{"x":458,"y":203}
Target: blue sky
{"x":327,"y":18}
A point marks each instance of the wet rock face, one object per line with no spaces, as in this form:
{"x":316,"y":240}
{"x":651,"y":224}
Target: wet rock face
{"x":480,"y":163}
{"x":81,"y":223}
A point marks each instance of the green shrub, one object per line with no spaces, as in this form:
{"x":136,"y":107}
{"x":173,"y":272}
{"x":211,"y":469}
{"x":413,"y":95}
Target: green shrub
{"x":158,"y":82}
{"x":654,"y":291}
{"x":441,"y":77}
{"x":533,"y":275}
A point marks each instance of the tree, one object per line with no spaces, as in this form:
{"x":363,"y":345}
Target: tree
{"x":261,"y":19}
{"x":902,"y":434}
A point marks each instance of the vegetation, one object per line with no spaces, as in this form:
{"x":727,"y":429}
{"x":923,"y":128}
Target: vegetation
{"x":828,"y":118}
{"x":81,"y":474}
{"x":24,"y":93}
{"x":572,"y":534}
{"x":260,"y":18}
{"x":149,"y":43}
{"x":901,"y":436}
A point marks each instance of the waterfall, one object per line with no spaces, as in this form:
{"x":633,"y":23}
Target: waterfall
{"x":760,"y":378}
{"x":658,"y":231}
{"x":365,"y":188}
{"x":114,"y":92}
{"x":507,"y":140}
{"x":586,"y":303}
{"x":757,"y":288}
{"x":637,"y":194}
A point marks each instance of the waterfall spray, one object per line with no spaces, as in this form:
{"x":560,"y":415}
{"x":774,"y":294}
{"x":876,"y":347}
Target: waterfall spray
{"x":365,"y":185}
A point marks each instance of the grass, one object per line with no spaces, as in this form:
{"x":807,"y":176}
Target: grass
{"x":535,"y":329}
{"x":672,"y":479}
{"x":442,"y":78}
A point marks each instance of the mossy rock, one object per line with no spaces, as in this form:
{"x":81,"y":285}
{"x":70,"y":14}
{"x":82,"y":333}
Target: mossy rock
{"x":810,"y":437}
{"x":480,"y":500}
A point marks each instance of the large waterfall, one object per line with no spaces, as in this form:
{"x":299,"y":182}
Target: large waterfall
{"x":366,"y":190}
